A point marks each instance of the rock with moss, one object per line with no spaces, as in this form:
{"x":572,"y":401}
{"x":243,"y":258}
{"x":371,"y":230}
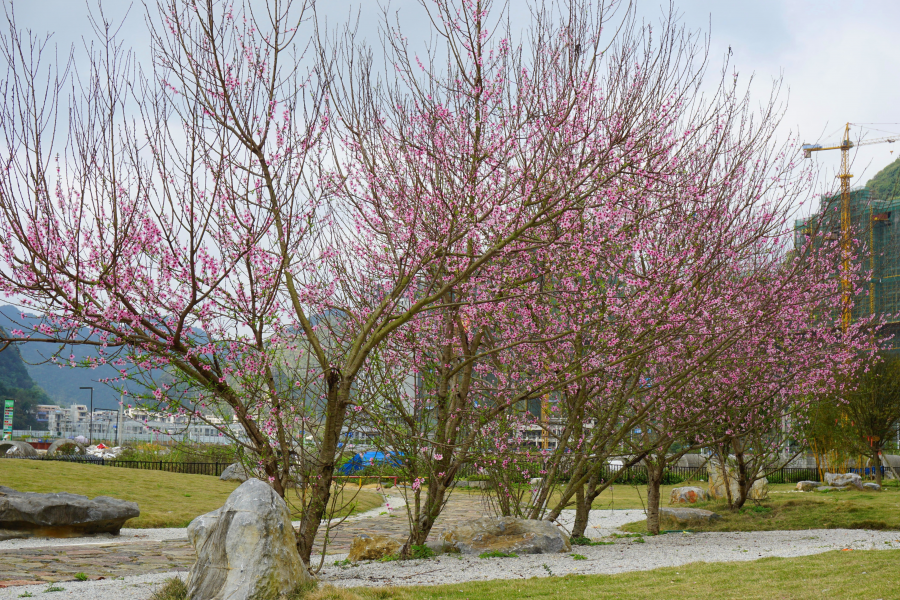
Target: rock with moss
{"x":506,"y":534}
{"x":372,"y":547}
{"x":871,"y":487}
{"x":246,"y":549}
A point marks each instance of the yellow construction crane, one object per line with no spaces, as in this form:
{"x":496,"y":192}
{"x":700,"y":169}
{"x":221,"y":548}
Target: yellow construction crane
{"x":844,"y":176}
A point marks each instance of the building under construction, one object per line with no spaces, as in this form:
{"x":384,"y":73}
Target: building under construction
{"x":875,"y":227}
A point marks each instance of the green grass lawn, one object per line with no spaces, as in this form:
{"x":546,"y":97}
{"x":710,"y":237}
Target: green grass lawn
{"x":837,"y":574}
{"x":856,"y":574}
{"x":789,"y":510}
{"x":165,"y":499}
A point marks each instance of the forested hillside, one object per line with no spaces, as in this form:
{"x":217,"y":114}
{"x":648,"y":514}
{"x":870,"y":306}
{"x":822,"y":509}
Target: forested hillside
{"x":63,"y":383}
{"x":886,"y":183}
{"x":16,"y":383}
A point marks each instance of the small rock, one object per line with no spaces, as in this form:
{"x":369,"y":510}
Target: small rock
{"x":832,"y":488}
{"x":506,"y":534}
{"x":246,"y":549}
{"x":62,"y":515}
{"x":844,"y":479}
{"x":871,"y":487}
{"x":235,"y":472}
{"x":684,"y":518}
{"x":808,"y":486}
{"x":687,"y":495}
{"x":372,"y":547}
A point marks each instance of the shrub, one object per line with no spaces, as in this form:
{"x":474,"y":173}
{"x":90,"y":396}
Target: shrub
{"x":422,"y":552}
{"x":172,"y":589}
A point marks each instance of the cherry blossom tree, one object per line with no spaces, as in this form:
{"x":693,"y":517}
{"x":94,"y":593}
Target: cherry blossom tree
{"x":263,"y":226}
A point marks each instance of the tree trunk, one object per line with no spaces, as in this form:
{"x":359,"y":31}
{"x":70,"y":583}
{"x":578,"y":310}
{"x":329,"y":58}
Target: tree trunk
{"x":654,"y":481}
{"x":583,"y":507}
{"x":582,"y":512}
{"x":876,"y":461}
{"x":423,"y":522}
{"x":322,"y":474}
{"x":744,"y":482}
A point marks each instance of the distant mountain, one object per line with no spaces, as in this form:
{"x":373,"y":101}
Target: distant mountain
{"x":886,"y":183}
{"x":16,"y":383}
{"x":61,"y":383}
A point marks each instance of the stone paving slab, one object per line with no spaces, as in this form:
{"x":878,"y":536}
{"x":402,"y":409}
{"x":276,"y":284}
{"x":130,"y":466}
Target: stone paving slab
{"x":61,"y":563}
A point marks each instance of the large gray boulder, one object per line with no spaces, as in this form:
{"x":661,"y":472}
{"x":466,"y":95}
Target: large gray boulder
{"x":246,"y":549}
{"x":26,"y":514}
{"x":235,"y":472}
{"x":506,"y":534}
{"x":17,"y":449}
{"x":844,"y":479}
{"x":808,"y":486}
{"x":685,"y":518}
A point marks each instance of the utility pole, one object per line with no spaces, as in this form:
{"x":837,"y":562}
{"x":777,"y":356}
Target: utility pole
{"x":91,"y":421}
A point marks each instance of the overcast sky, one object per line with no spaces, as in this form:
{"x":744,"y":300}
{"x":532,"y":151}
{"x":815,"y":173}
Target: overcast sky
{"x":839,"y":58}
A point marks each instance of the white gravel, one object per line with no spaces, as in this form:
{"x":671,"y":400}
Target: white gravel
{"x":602,"y":523}
{"x":139,"y":587}
{"x":626,"y":554}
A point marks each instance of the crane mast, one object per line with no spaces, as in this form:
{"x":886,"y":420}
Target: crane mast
{"x":844,"y":176}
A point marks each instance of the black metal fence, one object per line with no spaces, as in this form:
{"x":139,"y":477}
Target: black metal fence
{"x":636,"y":475}
{"x":191,"y":468}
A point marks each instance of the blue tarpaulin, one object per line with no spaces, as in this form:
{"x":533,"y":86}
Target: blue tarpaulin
{"x":366,"y":459}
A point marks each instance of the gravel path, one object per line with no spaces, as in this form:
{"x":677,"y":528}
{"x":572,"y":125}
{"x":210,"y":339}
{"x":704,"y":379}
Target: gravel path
{"x":625,"y":554}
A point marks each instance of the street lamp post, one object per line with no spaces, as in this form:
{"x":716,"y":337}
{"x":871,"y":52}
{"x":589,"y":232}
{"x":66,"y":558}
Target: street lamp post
{"x":91,"y":422}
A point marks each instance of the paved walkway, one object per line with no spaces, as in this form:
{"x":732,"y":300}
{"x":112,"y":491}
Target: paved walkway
{"x":101,"y":561}
{"x":461,"y":508}
{"x":111,"y":559}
